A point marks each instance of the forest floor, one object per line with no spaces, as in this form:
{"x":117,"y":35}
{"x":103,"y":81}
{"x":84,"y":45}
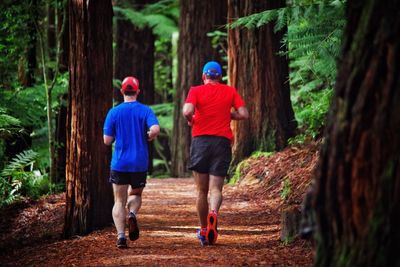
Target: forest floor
{"x":249,"y":224}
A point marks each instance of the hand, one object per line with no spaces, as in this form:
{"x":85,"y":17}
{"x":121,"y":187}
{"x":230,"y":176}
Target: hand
{"x":191,"y":121}
{"x":151,"y":135}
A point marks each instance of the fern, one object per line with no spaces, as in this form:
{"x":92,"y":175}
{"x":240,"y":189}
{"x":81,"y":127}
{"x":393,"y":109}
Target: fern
{"x":18,"y":164}
{"x":314,"y":35}
{"x":9,"y":125}
{"x":161,"y":17}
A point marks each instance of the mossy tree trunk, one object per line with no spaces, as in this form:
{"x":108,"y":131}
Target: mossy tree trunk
{"x":358,"y":182}
{"x":88,"y":193}
{"x":197,"y":18}
{"x":261,"y":77}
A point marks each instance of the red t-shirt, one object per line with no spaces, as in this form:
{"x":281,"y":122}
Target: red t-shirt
{"x":213,"y":103}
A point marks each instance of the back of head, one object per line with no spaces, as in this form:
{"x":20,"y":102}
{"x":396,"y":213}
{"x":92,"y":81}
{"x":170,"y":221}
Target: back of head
{"x":130,"y":86}
{"x":212,"y":70}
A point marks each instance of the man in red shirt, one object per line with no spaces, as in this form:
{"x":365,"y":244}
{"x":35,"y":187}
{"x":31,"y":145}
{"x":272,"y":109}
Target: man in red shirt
{"x":208,"y":109}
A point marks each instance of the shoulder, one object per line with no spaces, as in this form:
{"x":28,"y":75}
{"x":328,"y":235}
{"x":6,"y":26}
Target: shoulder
{"x":144,"y":107}
{"x":227,"y":88}
{"x":195,"y":88}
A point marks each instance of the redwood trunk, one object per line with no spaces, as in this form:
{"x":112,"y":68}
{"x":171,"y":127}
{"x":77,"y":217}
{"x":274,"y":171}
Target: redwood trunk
{"x":261,"y":77}
{"x":135,"y":56}
{"x":89,"y":195}
{"x":358,"y":183}
{"x":197,"y":18}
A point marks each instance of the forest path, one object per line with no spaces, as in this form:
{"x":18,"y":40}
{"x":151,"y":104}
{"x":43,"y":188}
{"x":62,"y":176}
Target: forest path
{"x":248,"y":228}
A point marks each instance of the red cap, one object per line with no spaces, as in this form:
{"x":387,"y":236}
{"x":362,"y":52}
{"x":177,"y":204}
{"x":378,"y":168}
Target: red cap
{"x":130,"y":84}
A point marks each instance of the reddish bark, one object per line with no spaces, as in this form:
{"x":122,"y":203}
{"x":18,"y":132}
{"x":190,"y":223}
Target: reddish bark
{"x":88,"y":194}
{"x":261,"y":77}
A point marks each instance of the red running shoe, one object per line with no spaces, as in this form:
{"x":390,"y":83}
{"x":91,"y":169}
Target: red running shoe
{"x":212,"y":232}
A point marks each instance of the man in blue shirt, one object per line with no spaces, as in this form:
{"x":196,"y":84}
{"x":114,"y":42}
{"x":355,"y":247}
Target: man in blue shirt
{"x":130,"y":124}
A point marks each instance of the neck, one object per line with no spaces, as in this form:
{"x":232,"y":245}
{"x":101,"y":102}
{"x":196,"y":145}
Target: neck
{"x":129,"y":98}
{"x":209,"y":81}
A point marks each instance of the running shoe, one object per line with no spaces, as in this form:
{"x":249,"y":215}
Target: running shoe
{"x":133,"y":227}
{"x":202,"y":238}
{"x":121,"y":243}
{"x":212,"y":232}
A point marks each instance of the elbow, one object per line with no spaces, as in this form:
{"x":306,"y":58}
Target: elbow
{"x":156,"y":130}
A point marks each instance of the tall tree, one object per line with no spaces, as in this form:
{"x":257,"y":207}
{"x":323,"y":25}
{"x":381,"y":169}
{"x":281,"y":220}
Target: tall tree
{"x":261,"y":77}
{"x":197,"y":18}
{"x":135,"y":54}
{"x":358,"y":183}
{"x":88,"y":194}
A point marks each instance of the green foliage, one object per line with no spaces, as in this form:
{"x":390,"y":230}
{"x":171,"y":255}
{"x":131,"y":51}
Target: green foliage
{"x":163,"y":71}
{"x":220,"y":43}
{"x":20,"y":179}
{"x":164,"y":113}
{"x":28,"y":107}
{"x":161,"y":16}
{"x":314,"y":35}
{"x":261,"y":154}
{"x":286,"y":188}
{"x":14,"y":40}
{"x":9,"y":125}
{"x":238,"y":171}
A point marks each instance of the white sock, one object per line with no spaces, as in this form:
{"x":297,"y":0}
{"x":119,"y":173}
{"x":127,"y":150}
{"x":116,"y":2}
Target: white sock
{"x":121,"y":235}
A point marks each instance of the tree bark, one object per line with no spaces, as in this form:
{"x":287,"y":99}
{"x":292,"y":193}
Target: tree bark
{"x":261,"y":77}
{"x":135,"y":56}
{"x":197,"y":18}
{"x":64,"y":45}
{"x":89,"y":195}
{"x":358,"y":182}
{"x":61,"y":140}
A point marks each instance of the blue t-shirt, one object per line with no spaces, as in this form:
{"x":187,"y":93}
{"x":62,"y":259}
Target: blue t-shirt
{"x":128,"y":123}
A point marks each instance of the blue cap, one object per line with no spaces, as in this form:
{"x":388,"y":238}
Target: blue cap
{"x":212,"y":69}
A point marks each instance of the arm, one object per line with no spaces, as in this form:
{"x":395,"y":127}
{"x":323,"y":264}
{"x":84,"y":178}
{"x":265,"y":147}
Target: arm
{"x":153,"y":132}
{"x":188,"y":111}
{"x":108,"y":140}
{"x":240,"y":114}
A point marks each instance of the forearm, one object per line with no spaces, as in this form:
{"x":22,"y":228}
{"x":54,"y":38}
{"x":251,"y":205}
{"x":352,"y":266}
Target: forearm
{"x":240,"y":114}
{"x":153,"y":132}
{"x":108,"y":140}
{"x":188,"y":112}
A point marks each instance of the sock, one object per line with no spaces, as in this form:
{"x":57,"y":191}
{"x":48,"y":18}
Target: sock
{"x":214,"y":211}
{"x":121,"y":235}
{"x":132,"y":212}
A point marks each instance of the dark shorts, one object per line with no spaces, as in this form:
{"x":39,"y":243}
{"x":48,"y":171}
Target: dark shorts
{"x":210,"y":154}
{"x":135,"y":179}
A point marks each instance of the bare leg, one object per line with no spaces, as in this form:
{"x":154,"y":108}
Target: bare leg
{"x":202,"y":182}
{"x":216,"y":185}
{"x":135,"y":199}
{"x":118,"y":212}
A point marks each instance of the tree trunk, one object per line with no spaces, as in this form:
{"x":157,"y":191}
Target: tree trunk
{"x":89,"y":195}
{"x":197,"y":18}
{"x":135,"y":56}
{"x":61,"y":140}
{"x":64,"y":45}
{"x":358,"y":185}
{"x":51,"y":38}
{"x":31,"y":53}
{"x":261,"y":77}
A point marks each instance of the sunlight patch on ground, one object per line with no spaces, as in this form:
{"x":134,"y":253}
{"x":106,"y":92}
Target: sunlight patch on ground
{"x":170,"y":234}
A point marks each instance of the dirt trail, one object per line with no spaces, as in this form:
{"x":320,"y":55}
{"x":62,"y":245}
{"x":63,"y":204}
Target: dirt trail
{"x":249,"y":235}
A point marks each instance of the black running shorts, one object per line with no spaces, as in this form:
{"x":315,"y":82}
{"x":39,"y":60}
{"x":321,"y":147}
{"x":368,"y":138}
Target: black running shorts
{"x":135,"y":179}
{"x":210,"y":154}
